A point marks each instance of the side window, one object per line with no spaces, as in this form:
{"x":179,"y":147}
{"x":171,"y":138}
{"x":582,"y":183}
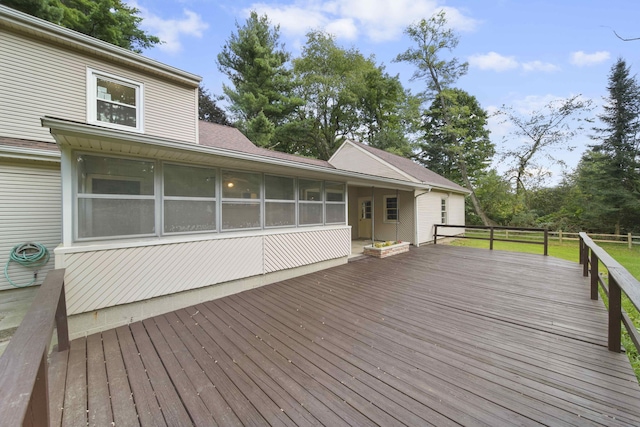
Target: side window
{"x":390,"y":209}
{"x":443,"y":211}
{"x":114,"y":102}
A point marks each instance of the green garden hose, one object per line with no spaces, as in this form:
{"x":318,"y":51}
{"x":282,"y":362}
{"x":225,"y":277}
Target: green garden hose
{"x":31,"y":255}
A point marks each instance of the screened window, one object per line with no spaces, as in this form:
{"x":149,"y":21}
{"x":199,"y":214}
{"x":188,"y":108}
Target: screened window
{"x":443,"y":211}
{"x":189,"y":201}
{"x":241,"y":200}
{"x":390,"y":209}
{"x":335,"y":205}
{"x":114,"y":101}
{"x":115,"y":197}
{"x":310,"y":206}
{"x":280,"y":201}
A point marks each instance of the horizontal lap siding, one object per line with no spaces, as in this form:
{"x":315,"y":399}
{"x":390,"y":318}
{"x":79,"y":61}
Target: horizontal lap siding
{"x":29,"y":212}
{"x":38,"y":79}
{"x":429,"y":214}
{"x":107,"y":278}
{"x":290,"y":250}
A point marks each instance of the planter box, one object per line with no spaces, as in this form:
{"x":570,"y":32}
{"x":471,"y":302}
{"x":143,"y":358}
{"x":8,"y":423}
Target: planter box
{"x":386,"y":251}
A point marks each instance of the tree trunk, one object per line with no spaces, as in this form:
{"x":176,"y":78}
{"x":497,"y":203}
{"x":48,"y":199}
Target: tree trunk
{"x":474,"y":199}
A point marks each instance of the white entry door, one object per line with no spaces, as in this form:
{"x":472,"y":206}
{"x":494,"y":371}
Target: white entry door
{"x":364,"y":217}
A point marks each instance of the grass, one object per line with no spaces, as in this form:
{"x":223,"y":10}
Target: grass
{"x":568,"y":250}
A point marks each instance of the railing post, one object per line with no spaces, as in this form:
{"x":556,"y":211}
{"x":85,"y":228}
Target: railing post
{"x":594,"y":276}
{"x":435,"y":235}
{"x":615,"y":315}
{"x":581,"y":247}
{"x":38,"y":410}
{"x":546,"y":242}
{"x":585,"y":261}
{"x":62,"y":327}
{"x":491,"y":238}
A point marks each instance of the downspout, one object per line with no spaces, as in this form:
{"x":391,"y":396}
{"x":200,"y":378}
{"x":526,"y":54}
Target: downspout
{"x":416,"y":217}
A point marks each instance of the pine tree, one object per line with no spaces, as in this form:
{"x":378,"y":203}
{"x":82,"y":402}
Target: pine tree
{"x":617,"y":144}
{"x":255,"y":62}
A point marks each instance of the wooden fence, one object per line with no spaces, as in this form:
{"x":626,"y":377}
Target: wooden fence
{"x":619,"y":279}
{"x":24,"y":391}
{"x":627,"y":239}
{"x":495,"y":237}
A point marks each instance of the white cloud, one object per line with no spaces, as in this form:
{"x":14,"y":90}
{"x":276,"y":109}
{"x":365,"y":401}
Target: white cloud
{"x":170,"y":31}
{"x":545,"y":67}
{"x":378,"y":20}
{"x":497,"y":62}
{"x":493,"y":61}
{"x":582,"y":59}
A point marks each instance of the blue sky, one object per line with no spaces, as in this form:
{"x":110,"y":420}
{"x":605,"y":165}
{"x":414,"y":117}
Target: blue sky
{"x":521,"y":53}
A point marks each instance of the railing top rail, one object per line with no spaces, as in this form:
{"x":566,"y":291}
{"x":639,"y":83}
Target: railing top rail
{"x":488,"y":227}
{"x":629,"y":284}
{"x":20,"y":362}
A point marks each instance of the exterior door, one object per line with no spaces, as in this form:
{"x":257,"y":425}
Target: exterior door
{"x":364,"y":217}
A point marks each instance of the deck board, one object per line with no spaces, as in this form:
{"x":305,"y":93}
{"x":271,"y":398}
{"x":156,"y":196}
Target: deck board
{"x":437,"y":336}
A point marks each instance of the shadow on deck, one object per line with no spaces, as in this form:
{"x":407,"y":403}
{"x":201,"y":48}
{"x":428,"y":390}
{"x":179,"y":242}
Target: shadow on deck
{"x":441,"y":335}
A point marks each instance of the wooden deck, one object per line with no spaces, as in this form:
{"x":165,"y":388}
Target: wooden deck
{"x":438,"y":336}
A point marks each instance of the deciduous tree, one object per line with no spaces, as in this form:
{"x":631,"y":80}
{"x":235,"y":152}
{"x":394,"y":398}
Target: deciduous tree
{"x":532,"y":145}
{"x":432,"y":38}
{"x":109,"y":20}
{"x":208,"y":110}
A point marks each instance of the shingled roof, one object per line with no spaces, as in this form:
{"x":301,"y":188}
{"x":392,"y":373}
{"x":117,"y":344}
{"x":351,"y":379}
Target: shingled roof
{"x":230,"y":138}
{"x":411,"y":168}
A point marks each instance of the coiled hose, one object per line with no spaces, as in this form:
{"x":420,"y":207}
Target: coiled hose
{"x":31,"y":255}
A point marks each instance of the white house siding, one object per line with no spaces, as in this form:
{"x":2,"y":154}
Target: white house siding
{"x":29,"y":212}
{"x":98,"y":279}
{"x":38,"y":79}
{"x":354,"y":159}
{"x":429,"y":213}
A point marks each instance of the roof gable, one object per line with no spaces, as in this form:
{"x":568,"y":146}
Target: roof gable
{"x":356,"y":159}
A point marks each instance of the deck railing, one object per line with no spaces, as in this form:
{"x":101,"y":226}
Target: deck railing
{"x":24,"y":394}
{"x":619,"y":279}
{"x":492,"y":234}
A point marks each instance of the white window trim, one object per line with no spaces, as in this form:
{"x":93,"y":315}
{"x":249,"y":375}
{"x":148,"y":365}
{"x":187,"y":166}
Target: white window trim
{"x":384,"y":206}
{"x":444,"y":211}
{"x":92,"y":113}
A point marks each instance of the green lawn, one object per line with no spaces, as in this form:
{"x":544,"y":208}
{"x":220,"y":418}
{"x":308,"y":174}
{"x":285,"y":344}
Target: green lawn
{"x":629,"y":258}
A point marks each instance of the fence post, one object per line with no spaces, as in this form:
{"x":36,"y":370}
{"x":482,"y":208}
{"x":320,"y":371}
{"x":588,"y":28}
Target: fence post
{"x":585,"y":261}
{"x":435,"y":234}
{"x":546,"y":242}
{"x":491,"y":238}
{"x":615,"y":316}
{"x":594,"y":276}
{"x":630,"y":240}
{"x":560,"y":235}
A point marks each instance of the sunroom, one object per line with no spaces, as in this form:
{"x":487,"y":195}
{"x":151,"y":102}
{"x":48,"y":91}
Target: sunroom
{"x":149,"y":225}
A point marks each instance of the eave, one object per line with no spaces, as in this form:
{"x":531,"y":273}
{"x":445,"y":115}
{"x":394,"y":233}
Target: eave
{"x":81,"y":136}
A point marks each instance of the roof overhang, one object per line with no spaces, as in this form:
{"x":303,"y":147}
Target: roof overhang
{"x":56,"y":34}
{"x":81,"y":136}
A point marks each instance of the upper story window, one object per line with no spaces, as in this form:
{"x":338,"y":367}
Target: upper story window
{"x":114,"y":101}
